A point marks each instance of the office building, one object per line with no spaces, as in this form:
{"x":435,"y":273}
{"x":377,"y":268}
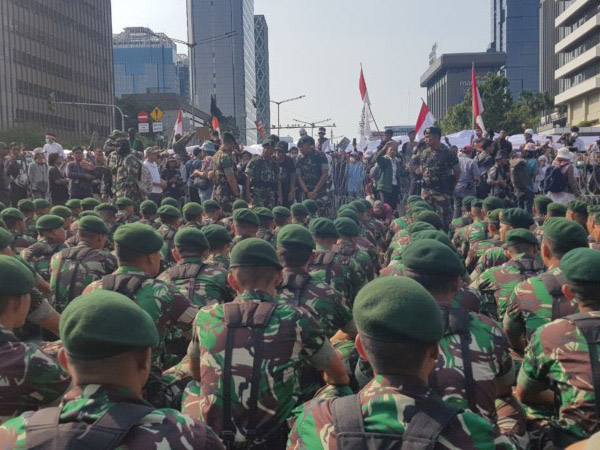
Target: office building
{"x":224,"y":67}
{"x":261,"y":50}
{"x":448,"y":78}
{"x":183,"y":74}
{"x":548,"y":57}
{"x":144,"y":62}
{"x":400,"y":130}
{"x":60,"y":47}
{"x":516,"y":32}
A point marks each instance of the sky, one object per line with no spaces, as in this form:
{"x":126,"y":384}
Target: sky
{"x":316,"y":48}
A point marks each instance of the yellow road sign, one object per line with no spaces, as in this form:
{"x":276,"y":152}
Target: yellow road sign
{"x":157,"y":114}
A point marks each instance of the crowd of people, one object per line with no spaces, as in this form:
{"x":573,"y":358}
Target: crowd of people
{"x":304,"y":298}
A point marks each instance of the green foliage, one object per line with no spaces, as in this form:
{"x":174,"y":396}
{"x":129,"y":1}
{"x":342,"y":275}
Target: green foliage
{"x":587,"y":123}
{"x":31,"y":136}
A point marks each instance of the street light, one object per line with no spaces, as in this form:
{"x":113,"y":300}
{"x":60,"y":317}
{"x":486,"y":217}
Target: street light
{"x":279,"y":105}
{"x":313,"y":125}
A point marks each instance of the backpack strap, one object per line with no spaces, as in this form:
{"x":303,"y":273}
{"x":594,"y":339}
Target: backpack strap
{"x":561,"y":307}
{"x":76,"y":255}
{"x":186,"y":272}
{"x":123,"y":284}
{"x":296,"y":283}
{"x":428,"y":424}
{"x":348,"y":423}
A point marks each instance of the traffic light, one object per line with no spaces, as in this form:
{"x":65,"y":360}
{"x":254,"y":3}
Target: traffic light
{"x":51,"y":102}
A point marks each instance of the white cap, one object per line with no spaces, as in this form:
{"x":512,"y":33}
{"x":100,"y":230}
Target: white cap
{"x":38,"y":151}
{"x":564,"y":153}
{"x":529,"y":131}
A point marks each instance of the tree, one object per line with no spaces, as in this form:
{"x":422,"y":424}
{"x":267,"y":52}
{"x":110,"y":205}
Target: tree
{"x":31,"y":136}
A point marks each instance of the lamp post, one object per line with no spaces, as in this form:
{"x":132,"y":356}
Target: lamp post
{"x":279,"y":106}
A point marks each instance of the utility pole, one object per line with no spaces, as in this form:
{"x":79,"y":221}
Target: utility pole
{"x":279,"y":106}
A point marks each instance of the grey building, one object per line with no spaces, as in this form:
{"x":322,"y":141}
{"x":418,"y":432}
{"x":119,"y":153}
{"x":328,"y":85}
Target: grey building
{"x":261,"y":50}
{"x":61,"y":47}
{"x":448,"y":78}
{"x":183,"y":74}
{"x":548,"y":57}
{"x":225,"y":68}
{"x":516,"y":32}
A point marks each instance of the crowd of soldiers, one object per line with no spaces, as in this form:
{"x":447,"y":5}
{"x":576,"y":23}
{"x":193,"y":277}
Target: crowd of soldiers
{"x":269,"y":323}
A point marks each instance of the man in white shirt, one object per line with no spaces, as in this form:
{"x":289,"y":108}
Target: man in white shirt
{"x":53,"y":147}
{"x":157,"y":184}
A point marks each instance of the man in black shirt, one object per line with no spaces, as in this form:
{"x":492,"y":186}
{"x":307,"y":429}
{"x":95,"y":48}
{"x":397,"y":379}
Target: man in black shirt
{"x":502,"y":144}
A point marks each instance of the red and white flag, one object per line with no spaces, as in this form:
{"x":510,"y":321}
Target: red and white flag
{"x":178,"y":130}
{"x":215,"y":124}
{"x":424,"y":121}
{"x":364,"y":127}
{"x":477,"y":103}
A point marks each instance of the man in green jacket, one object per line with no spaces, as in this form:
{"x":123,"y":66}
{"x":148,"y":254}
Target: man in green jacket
{"x":391,"y":172}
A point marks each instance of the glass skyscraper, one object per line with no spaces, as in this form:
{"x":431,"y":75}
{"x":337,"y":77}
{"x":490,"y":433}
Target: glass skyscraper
{"x":263,"y":96}
{"x":224,"y":68}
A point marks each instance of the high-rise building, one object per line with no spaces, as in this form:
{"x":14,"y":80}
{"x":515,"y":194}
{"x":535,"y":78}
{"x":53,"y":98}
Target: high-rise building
{"x":145,"y":62}
{"x":225,"y":68}
{"x":263,"y":96}
{"x":65,"y":48}
{"x":515,"y":31}
{"x":548,"y":57}
{"x":183,"y":73}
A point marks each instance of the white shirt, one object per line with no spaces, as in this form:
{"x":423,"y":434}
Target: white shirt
{"x":54,"y":147}
{"x":153,"y":169}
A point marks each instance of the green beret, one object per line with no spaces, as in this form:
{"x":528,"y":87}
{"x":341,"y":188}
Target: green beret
{"x":421,"y":204}
{"x":306,"y":140}
{"x":138,"y":237}
{"x":169,"y":211}
{"x":429,"y":217}
{"x":191,"y":238}
{"x":89,"y":203}
{"x":74,"y":203}
{"x":108,"y":207}
{"x":210,"y":205}
{"x":88,"y":214}
{"x":366,"y":203}
{"x":581,"y":266}
{"x":298,"y":209}
{"x":265,"y":215}
{"x":282,"y":212}
{"x":62,"y":211}
{"x":567,"y":233}
{"x":348,"y":206}
{"x":520,"y":236}
{"x":15,"y":277}
{"x":170,"y":201}
{"x":557,"y":210}
{"x":477,"y":203}
{"x":492,"y":203}
{"x":419,"y":226}
{"x":124,"y":202}
{"x":6,"y":238}
{"x":350,"y":214}
{"x":99,"y":325}
{"x":216,"y":234}
{"x":466,"y":202}
{"x":413,"y":198}
{"x":41,"y":203}
{"x":148,"y":207}
{"x":49,"y":222}
{"x":436,"y":235}
{"x":12,"y":213}
{"x":192,"y":210}
{"x":293,"y":236}
{"x":541,"y":203}
{"x":346,"y":227}
{"x":311,"y":205}
{"x":578,"y":207}
{"x":427,"y":255}
{"x":593,"y":209}
{"x":244,"y":215}
{"x":239,"y":203}
{"x":397,"y":309}
{"x":359,"y":206}
{"x":92,"y":224}
{"x":25,"y":205}
{"x":323,"y":228}
{"x":494,"y":216}
{"x":516,"y":218}
{"x":253,"y":252}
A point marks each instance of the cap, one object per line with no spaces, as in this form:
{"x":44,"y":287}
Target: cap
{"x":581,"y":266}
{"x":323,"y":228}
{"x":346,"y":227}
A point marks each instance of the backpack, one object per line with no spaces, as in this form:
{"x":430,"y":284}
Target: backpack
{"x":76,"y":256}
{"x":518,"y":173}
{"x":554,"y":180}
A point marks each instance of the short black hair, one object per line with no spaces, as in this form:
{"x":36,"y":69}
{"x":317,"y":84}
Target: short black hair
{"x":11,"y":222}
{"x":557,"y":249}
{"x":126,"y":255}
{"x":434,"y":282}
{"x":587,"y":295}
{"x":409,"y":355}
{"x":52,"y":158}
{"x":296,"y":257}
{"x":521,"y":247}
{"x":486,"y":143}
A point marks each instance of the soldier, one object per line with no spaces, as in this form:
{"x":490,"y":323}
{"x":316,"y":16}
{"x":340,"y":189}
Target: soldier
{"x":41,"y":207}
{"x":128,"y":173}
{"x":170,"y":218}
{"x":15,"y":223}
{"x":312,"y":170}
{"x":312,"y":207}
{"x":212,"y":213}
{"x":348,"y":231}
{"x":74,"y":205}
{"x":287,"y":173}
{"x":245,"y":225}
{"x":556,"y":210}
{"x":540,"y":210}
{"x":73,"y":269}
{"x":300,"y":214}
{"x":577,"y":212}
{"x":395,"y":316}
{"x":227,"y":222}
{"x":251,"y":342}
{"x":465,"y":218}
{"x":477,"y":231}
{"x":266,"y":220}
{"x":108,"y":213}
{"x":476,"y":251}
{"x":193,"y":278}
{"x":31,"y":377}
{"x":66,"y":214}
{"x":52,"y":240}
{"x":149,"y":212}
{"x":224,"y":173}
{"x":126,"y":212}
{"x":562,"y":356}
{"x":192,"y":214}
{"x":283,"y":217}
{"x":89,"y":204}
{"x":109,"y":361}
{"x":219,"y":241}
{"x":263,"y":186}
{"x":362,"y":242}
{"x":540,"y":299}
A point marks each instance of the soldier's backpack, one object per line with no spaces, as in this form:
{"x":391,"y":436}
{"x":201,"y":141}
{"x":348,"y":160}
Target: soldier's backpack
{"x":431,"y":418}
{"x":186,"y":272}
{"x":297,"y":284}
{"x":561,"y":306}
{"x":125,"y":284}
{"x":554,"y":180}
{"x":76,"y":256}
{"x":518,"y":173}
{"x":323,"y":261}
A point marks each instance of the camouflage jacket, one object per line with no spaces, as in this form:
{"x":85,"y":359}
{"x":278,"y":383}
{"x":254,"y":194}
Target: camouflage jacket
{"x":387,"y":405}
{"x":208,"y":286}
{"x":30,"y":377}
{"x":264,"y":181}
{"x":291,"y":337}
{"x":162,"y":428}
{"x":267,"y":235}
{"x":475,"y":232}
{"x":122,"y":218}
{"x":127,"y":174}
{"x":310,"y":168}
{"x":460,"y":222}
{"x":435,"y":166}
{"x":73,"y":269}
{"x":492,"y":257}
{"x":21,"y":242}
{"x":350,"y":249}
{"x":193,"y":224}
{"x":477,"y":250}
{"x":168,"y":233}
{"x":218,"y":261}
{"x":40,"y":254}
{"x":153,"y":223}
{"x":558,"y":358}
{"x":223,"y":165}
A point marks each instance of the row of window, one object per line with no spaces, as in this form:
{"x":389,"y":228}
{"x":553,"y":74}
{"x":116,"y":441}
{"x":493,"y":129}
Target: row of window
{"x":60,"y":123}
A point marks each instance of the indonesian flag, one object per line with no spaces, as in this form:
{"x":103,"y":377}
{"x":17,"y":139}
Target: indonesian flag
{"x":178,"y":130}
{"x":477,"y":103}
{"x":364,"y":127}
{"x":424,"y":121}
{"x":215,"y":124}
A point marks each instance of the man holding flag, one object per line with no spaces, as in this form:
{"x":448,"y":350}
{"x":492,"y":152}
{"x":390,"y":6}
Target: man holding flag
{"x":181,"y":140}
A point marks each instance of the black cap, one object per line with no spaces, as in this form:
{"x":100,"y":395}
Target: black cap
{"x":282,"y":146}
{"x":322,"y":130}
{"x":389,"y":133}
{"x":228,"y":137}
{"x":274,"y":138}
{"x":436,"y":131}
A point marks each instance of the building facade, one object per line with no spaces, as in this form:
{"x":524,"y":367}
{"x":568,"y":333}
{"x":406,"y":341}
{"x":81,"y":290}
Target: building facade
{"x":516,"y":32}
{"x":61,"y":47}
{"x":548,"y":57}
{"x":578,"y":68}
{"x":144,"y":62}
{"x":261,"y":50}
{"x":400,"y":130}
{"x":224,"y":67}
{"x":183,"y":74}
{"x":448,"y":78}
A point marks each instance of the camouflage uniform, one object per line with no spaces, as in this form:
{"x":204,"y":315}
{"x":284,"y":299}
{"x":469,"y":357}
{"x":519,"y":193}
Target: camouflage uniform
{"x":349,"y":249}
{"x":193,"y":224}
{"x":310,"y":168}
{"x":30,"y":228}
{"x":30,"y":377}
{"x":122,"y":217}
{"x":478,"y":249}
{"x":264,"y":181}
{"x":21,"y":242}
{"x":126,"y":173}
{"x":267,"y":235}
{"x":475,"y":232}
{"x":387,"y":405}
{"x":153,"y":223}
{"x":162,"y":428}
{"x":224,"y":164}
{"x":219,"y":261}
{"x":39,"y":255}
{"x":168,"y":233}
{"x":460,"y":222}
{"x":73,"y":269}
{"x":492,"y":257}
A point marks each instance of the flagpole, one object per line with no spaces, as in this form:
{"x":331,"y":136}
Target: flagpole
{"x":369,"y":105}
{"x":473,"y":106}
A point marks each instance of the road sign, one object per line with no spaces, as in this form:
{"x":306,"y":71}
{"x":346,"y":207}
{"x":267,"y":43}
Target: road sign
{"x":144,"y":127}
{"x":142,"y":117}
{"x":157,"y":127}
{"x":157,"y":114}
